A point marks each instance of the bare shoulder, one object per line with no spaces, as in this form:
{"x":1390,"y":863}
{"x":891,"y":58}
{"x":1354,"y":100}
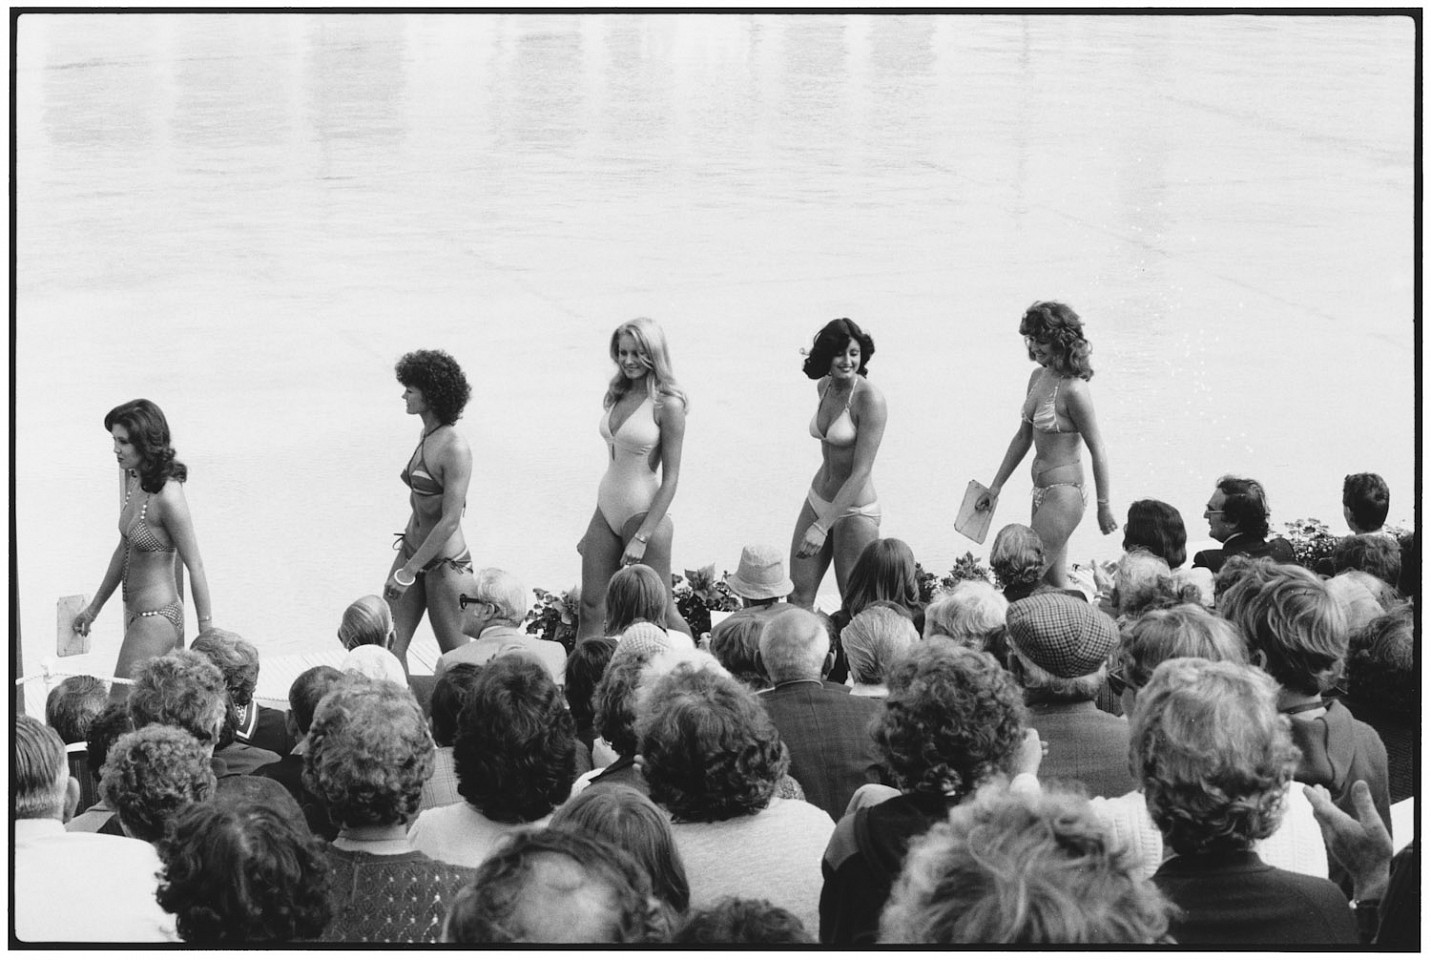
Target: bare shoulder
{"x":669,"y":411}
{"x":869,"y":398}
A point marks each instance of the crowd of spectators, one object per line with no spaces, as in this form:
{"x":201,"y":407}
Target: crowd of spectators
{"x":1201,"y":756}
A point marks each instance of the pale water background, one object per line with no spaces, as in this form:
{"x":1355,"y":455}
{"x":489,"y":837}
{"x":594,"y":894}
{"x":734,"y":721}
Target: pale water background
{"x":249,"y":218}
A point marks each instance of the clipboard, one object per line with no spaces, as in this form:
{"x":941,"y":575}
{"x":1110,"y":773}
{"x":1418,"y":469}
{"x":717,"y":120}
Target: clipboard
{"x":67,"y":642}
{"x":972,"y":522}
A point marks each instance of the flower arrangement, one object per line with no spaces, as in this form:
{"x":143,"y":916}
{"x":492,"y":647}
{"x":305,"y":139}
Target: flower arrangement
{"x":698,"y":593}
{"x":553,"y":616}
{"x":967,"y":567}
{"x":1311,"y":541}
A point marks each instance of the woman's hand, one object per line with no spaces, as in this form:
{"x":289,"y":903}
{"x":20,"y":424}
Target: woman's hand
{"x":1106,"y":523}
{"x":394,"y":588}
{"x":635,"y":552}
{"x":1030,"y":753}
{"x":813,"y":541}
{"x":1102,"y":579}
{"x":82,"y":621}
{"x":987,"y":501}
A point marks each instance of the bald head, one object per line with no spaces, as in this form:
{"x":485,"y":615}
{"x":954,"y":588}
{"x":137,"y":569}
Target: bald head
{"x":793,"y":646}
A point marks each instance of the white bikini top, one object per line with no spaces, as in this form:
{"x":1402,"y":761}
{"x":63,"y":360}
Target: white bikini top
{"x":638,"y":435}
{"x":841,"y":432}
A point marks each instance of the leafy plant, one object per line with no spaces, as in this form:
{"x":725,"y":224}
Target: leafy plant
{"x":554,"y":615}
{"x":967,"y":567}
{"x":698,"y":593}
{"x":1311,"y":541}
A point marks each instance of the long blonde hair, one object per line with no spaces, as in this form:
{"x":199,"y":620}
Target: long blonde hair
{"x":651,"y":351}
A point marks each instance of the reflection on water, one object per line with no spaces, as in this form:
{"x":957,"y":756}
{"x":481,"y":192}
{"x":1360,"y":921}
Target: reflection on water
{"x":248,"y":218}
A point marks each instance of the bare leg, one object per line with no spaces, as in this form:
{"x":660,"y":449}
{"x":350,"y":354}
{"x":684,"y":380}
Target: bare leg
{"x":807,"y":572}
{"x":407,"y":611}
{"x":600,"y":559}
{"x":444,"y":586}
{"x":1054,"y":521}
{"x":145,"y":638}
{"x":851,"y":536}
{"x":658,"y":558}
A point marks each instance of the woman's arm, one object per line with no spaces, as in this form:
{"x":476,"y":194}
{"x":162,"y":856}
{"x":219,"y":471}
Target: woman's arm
{"x":671,"y":417}
{"x":180,"y":526}
{"x":870,"y":416}
{"x":1018,"y":448}
{"x":454,"y":469}
{"x":111,"y":579}
{"x":1080,"y":411}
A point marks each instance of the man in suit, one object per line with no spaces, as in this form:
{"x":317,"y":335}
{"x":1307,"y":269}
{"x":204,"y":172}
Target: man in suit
{"x":492,"y":615}
{"x":825,"y":729}
{"x":1237,"y":518}
{"x":1059,"y":647}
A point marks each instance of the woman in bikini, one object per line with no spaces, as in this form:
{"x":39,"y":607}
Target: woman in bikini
{"x":1057,"y":420}
{"x":644,"y":426}
{"x":154,"y":526}
{"x":841,"y":512}
{"x":433,"y":562}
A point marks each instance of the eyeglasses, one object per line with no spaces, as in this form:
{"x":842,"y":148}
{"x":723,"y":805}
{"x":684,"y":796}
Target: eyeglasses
{"x":463,"y":600}
{"x":1210,"y":512}
{"x":1118,"y":681}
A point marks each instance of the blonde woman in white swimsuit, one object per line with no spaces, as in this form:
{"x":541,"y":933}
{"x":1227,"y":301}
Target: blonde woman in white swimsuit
{"x":841,"y":513}
{"x":644,"y":425}
{"x":1057,"y":420}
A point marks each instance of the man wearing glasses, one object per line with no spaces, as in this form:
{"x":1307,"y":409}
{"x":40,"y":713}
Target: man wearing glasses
{"x":1237,"y":518}
{"x":492,"y":616}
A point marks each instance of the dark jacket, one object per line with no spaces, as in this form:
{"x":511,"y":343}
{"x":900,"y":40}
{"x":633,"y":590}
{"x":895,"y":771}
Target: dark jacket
{"x":1086,"y":744}
{"x":289,"y":772}
{"x":827,"y":733}
{"x":267,"y":730}
{"x":1243,"y":544}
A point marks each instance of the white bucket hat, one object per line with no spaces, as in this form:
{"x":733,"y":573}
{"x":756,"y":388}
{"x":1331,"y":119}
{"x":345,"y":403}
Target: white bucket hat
{"x":761,"y":574}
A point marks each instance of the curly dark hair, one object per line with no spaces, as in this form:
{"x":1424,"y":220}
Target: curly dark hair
{"x":240,"y":872}
{"x":369,"y":753}
{"x":1017,"y":559}
{"x":72,"y":707}
{"x":733,"y":920}
{"x":449,"y":695}
{"x":1158,"y":528}
{"x":953,"y":718}
{"x":502,"y":899}
{"x":584,"y":670}
{"x":1371,"y":553}
{"x":152,"y":775}
{"x":615,"y":702}
{"x":1367,"y":498}
{"x":441,"y":380}
{"x":181,"y":689}
{"x":149,"y":432}
{"x":515,"y":751}
{"x":832,"y":339}
{"x":710,"y":750}
{"x":1048,"y":321}
{"x":1212,"y":753}
{"x":112,"y":723}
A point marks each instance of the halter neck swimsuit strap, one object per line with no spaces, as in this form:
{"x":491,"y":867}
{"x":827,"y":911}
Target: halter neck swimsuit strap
{"x":141,"y":535}
{"x":419,"y":479}
{"x":842,"y":431}
{"x":1045,"y":414}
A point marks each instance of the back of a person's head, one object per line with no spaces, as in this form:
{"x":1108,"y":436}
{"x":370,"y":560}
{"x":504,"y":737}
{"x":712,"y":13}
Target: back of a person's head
{"x":367,"y":621}
{"x":1245,"y":506}
{"x":515,"y":750}
{"x":307,"y":691}
{"x":1212,"y":753}
{"x":1367,"y":499}
{"x":630,"y":821}
{"x":247,"y":788}
{"x":449,"y":696}
{"x":504,"y":592}
{"x":736,"y":644}
{"x":1008,"y":868}
{"x":953,"y":718}
{"x":971,"y":612}
{"x":737,"y":920}
{"x":154,"y":774}
{"x":236,"y":871}
{"x":112,"y":723}
{"x":1293,"y":626}
{"x":1381,"y":667}
{"x":876,"y":637}
{"x":1143,"y":582}
{"x":41,"y":775}
{"x":236,"y":658}
{"x":884,"y":570}
{"x":556,"y":886}
{"x":634,"y":593}
{"x":793,"y":646}
{"x":1017,"y":557}
{"x":1188,"y":630}
{"x":72,"y":706}
{"x":369,"y":753}
{"x":1372,"y":553}
{"x":1157,"y":527}
{"x":584,"y":669}
{"x":180,"y":689}
{"x":709,"y":748}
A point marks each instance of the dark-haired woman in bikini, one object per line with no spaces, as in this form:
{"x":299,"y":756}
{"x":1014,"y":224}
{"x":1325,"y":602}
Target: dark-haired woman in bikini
{"x":433,"y":562}
{"x":154,"y":526}
{"x":1057,"y":420}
